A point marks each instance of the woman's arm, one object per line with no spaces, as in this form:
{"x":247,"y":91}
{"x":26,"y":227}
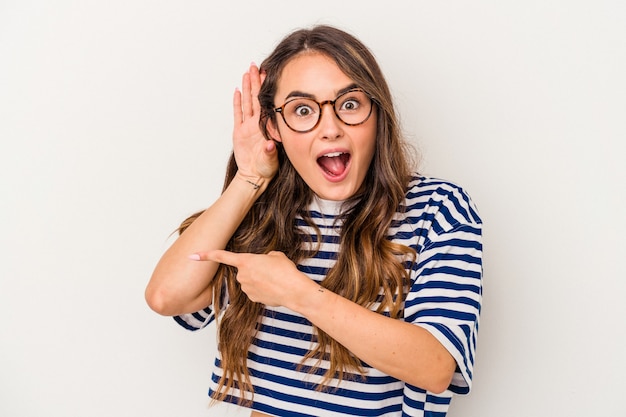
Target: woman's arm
{"x":179,"y":285}
{"x":395,"y":347}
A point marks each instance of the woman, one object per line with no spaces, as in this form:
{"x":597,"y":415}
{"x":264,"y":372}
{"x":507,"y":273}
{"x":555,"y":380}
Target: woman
{"x":342,"y":284}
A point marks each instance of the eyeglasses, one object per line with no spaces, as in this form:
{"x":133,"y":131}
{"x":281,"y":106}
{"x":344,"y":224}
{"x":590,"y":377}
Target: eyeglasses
{"x":304,"y":114}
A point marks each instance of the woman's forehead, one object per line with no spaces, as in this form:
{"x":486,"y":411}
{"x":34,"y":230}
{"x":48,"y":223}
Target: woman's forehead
{"x":314,"y":74}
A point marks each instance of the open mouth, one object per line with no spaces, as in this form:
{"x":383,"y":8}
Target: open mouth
{"x":334,"y":163}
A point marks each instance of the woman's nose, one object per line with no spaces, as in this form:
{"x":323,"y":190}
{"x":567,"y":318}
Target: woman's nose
{"x":331,"y":127}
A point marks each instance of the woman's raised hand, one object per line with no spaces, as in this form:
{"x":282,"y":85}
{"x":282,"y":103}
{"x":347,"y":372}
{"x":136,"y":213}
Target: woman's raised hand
{"x":256,"y":157}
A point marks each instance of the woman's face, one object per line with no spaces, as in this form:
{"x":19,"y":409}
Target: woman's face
{"x":333,"y":158}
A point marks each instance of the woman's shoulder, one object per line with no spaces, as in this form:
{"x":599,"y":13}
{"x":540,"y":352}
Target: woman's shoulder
{"x":431,"y":195}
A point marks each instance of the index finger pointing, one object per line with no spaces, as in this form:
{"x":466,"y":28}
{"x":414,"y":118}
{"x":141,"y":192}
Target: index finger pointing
{"x":218,"y":255}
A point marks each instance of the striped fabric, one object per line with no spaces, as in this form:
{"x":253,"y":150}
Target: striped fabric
{"x":441,"y":223}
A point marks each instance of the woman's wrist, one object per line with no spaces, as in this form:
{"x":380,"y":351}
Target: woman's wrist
{"x":255,"y":183}
{"x":310,"y":298}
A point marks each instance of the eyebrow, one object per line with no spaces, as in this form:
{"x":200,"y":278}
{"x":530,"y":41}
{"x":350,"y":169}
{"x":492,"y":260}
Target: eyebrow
{"x":297,"y":93}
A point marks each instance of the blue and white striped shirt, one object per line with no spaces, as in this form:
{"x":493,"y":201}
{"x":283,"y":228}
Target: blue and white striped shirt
{"x":441,"y":223}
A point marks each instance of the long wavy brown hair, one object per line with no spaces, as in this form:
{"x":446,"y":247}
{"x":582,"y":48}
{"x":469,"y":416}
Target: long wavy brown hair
{"x":370,"y":268}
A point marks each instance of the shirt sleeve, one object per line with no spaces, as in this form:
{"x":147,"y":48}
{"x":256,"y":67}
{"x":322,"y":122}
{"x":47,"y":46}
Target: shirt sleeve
{"x":446,"y":293}
{"x":196,"y":321}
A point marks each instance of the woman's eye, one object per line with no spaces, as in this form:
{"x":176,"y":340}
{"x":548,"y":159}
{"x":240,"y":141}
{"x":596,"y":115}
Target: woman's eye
{"x":350,"y":104}
{"x":303,"y":110}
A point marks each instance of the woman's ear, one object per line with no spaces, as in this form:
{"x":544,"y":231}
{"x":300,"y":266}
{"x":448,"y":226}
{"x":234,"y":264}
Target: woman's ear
{"x":273,"y":131}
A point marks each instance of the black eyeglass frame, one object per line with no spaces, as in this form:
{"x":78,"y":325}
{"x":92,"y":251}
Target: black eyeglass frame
{"x":320,"y":105}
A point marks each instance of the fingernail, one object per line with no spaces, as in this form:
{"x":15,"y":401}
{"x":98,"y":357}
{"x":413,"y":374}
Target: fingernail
{"x":194,"y":257}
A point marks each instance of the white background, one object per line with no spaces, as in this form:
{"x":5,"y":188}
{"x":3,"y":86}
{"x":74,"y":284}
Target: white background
{"x":115,"y":124}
